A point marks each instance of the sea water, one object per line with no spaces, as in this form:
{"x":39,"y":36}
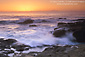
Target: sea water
{"x":39,"y":35}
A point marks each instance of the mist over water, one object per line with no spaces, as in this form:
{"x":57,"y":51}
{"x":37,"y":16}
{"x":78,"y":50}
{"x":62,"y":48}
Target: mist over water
{"x":39,"y":35}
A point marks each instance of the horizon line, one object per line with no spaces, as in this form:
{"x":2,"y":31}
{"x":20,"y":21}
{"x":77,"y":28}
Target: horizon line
{"x":44,"y":11}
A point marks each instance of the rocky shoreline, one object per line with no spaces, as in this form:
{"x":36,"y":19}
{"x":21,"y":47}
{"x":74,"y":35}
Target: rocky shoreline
{"x":59,"y":51}
{"x":77,"y":27}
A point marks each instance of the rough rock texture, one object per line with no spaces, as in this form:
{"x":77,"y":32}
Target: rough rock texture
{"x":59,"y":51}
{"x":76,"y":26}
{"x":66,"y":51}
{"x":7,"y":46}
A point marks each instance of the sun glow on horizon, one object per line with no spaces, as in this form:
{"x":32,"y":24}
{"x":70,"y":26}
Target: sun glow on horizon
{"x":37,"y":5}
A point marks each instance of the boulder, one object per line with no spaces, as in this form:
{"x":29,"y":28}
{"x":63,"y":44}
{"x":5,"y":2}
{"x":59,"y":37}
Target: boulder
{"x":59,"y":33}
{"x":5,"y":43}
{"x":80,"y":35}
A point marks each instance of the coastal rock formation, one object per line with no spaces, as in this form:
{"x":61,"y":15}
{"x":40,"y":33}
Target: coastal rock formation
{"x":80,"y":35}
{"x":59,"y":33}
{"x":75,"y":26}
{"x":64,"y":51}
{"x":7,"y":46}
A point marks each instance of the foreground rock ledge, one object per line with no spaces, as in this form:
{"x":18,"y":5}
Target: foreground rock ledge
{"x":66,"y":51}
{"x":60,"y":51}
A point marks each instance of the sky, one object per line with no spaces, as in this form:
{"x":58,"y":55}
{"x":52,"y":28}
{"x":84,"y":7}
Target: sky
{"x":41,"y":5}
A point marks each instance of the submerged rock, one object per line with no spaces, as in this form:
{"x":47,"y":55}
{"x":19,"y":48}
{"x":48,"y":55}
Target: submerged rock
{"x":26,"y":21}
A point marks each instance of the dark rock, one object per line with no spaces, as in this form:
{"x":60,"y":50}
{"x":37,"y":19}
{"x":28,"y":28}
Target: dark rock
{"x":78,"y":29}
{"x":62,"y":18}
{"x":55,"y":28}
{"x":26,"y":22}
{"x":61,"y":24}
{"x":2,"y":55}
{"x":8,"y":51}
{"x":21,"y":47}
{"x":65,"y":51}
{"x":6,"y":43}
{"x":32,"y":25}
{"x":44,"y":21}
{"x":59,"y":33}
{"x":10,"y":41}
{"x":79,"y":20}
{"x":2,"y":21}
{"x":80,"y":35}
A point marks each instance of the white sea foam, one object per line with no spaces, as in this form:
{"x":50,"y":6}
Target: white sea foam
{"x":36,"y":36}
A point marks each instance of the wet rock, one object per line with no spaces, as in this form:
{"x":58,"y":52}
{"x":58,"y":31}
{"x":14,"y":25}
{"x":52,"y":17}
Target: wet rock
{"x":59,"y":33}
{"x":32,"y":25}
{"x":64,"y":51}
{"x":79,"y":20}
{"x":55,"y":28}
{"x":61,"y":24}
{"x":21,"y":47}
{"x":80,"y":35}
{"x":26,"y":21}
{"x":78,"y":29}
{"x":10,"y":41}
{"x":6,"y":43}
{"x":2,"y":22}
{"x":8,"y":51}
{"x":44,"y":21}
{"x":62,"y":18}
{"x":2,"y":55}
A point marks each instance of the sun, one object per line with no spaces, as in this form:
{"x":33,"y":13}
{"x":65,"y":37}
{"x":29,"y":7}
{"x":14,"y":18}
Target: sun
{"x":25,"y":8}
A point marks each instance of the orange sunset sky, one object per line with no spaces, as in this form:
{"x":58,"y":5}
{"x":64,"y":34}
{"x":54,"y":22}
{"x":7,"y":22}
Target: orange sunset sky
{"x":39,"y":5}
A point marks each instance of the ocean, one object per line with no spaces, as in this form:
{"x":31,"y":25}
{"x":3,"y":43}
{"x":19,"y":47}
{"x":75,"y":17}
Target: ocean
{"x":40,"y":34}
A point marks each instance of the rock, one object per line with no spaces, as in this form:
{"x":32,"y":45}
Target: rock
{"x":59,"y":33}
{"x":61,"y":24}
{"x":5,"y":43}
{"x":32,"y":25}
{"x":80,"y":35}
{"x":65,"y":51}
{"x":10,"y":41}
{"x":55,"y":28}
{"x":62,"y":18}
{"x":20,"y":47}
{"x":8,"y":51}
{"x":78,"y":29}
{"x":44,"y":21}
{"x":26,"y":21}
{"x":2,"y":55}
{"x":2,"y":22}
